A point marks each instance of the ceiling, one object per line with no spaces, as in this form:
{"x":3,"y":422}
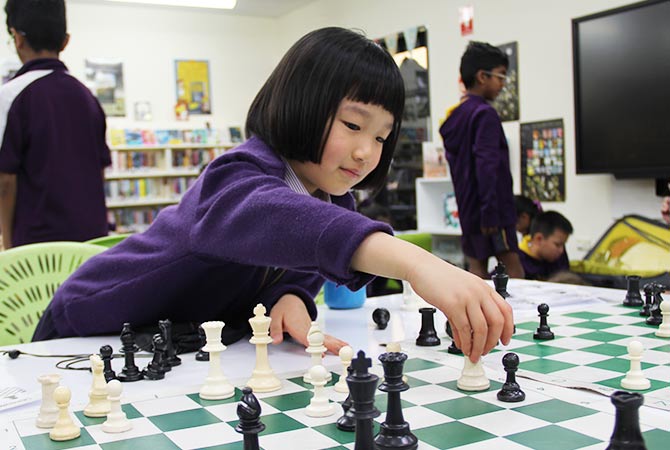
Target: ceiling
{"x":258,"y":8}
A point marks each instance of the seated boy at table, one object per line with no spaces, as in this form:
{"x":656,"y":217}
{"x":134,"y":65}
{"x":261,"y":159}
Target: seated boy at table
{"x":542,"y":250}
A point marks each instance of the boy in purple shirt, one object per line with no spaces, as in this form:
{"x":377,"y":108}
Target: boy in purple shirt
{"x":542,"y":250}
{"x":269,"y":221}
{"x":478,"y":157}
{"x":52,"y":137}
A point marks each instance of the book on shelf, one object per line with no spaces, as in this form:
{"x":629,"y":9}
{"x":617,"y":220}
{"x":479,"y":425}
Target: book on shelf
{"x":138,"y":137}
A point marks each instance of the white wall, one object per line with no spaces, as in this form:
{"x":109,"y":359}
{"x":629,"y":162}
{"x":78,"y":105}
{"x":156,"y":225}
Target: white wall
{"x":243,"y":51}
{"x":544,"y":35}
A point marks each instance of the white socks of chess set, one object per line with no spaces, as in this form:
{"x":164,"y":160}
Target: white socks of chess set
{"x":104,"y":400}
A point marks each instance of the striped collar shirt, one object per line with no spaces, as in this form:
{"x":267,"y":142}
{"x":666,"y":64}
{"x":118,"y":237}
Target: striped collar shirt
{"x":291,"y":178}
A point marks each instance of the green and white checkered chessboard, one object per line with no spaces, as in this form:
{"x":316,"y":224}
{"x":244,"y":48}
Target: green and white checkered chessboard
{"x":589,"y":351}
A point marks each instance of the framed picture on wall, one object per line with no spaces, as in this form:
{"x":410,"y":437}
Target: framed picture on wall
{"x":193,"y":86}
{"x":507,"y":102}
{"x":104,"y":77}
{"x":543,"y":160}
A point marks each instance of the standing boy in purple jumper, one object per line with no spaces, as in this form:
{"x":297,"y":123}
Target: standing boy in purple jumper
{"x":52,"y":137}
{"x":479,"y":161}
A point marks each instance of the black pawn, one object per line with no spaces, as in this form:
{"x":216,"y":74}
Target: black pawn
{"x":627,"y":434}
{"x":648,"y":299}
{"x":171,"y":354}
{"x":655,"y":317}
{"x":381,"y":316}
{"x":427,"y":334}
{"x":543,"y":332}
{"x":633,"y":297}
{"x":511,"y":392}
{"x":453,"y":348}
{"x":500,"y":279}
{"x":362,"y":387}
{"x":394,"y":432}
{"x":249,"y":413}
{"x":130,"y":371}
{"x":107,"y":354}
{"x":155,"y":370}
{"x":202,"y":355}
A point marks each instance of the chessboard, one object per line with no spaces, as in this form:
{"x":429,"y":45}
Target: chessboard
{"x":439,"y":414}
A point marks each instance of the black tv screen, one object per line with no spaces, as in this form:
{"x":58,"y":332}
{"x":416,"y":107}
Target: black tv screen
{"x":622,"y":90}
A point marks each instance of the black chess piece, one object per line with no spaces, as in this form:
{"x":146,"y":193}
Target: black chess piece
{"x":510,"y":391}
{"x":171,"y":354}
{"x":543,"y":332}
{"x":648,"y":290}
{"x":627,"y":434}
{"x":362,"y":387}
{"x":130,"y":371}
{"x":500,"y":279}
{"x":249,"y":413}
{"x":347,"y":421}
{"x":394,"y":432}
{"x":155,"y":370}
{"x":633,"y":297}
{"x":655,"y":317}
{"x":453,"y":348}
{"x":202,"y":355}
{"x":107,"y":354}
{"x":381,"y":317}
{"x":427,"y":334}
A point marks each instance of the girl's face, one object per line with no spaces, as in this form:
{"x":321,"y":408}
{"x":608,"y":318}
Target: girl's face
{"x":352,"y":151}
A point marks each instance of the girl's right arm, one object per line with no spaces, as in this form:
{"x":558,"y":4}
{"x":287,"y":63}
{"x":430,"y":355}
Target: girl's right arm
{"x":478,"y":315}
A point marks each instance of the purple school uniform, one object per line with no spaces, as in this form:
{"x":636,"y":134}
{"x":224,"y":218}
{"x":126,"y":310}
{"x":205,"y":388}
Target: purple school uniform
{"x":240,"y":236}
{"x":478,"y":157}
{"x":52,"y":136}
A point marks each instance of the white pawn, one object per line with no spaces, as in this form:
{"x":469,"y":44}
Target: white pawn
{"x":263,"y":379}
{"x":98,"y":405}
{"x":473,"y":377}
{"x":394,"y":347}
{"x":664,"y":327}
{"x":216,"y":385}
{"x":634,"y":379}
{"x":116,"y":422}
{"x":64,"y":429}
{"x":346,"y":355}
{"x":316,"y":348}
{"x":48,"y":409}
{"x":319,"y":405}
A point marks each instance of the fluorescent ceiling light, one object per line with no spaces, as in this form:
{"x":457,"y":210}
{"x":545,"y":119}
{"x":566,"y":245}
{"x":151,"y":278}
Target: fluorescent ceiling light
{"x":214,"y":4}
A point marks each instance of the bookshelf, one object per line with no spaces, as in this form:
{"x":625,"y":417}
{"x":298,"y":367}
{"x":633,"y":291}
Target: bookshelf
{"x":144,"y":178}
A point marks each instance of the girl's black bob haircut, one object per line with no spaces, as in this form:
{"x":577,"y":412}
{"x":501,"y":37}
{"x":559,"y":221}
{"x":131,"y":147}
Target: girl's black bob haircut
{"x":293,"y":111}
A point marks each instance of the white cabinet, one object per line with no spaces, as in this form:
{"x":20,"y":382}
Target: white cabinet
{"x":431,"y":194}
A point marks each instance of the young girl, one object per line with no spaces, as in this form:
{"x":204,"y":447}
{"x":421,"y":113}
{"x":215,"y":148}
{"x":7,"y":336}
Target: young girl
{"x":270,"y":220}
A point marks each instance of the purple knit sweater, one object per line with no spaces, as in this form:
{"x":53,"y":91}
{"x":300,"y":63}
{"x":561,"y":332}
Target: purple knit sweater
{"x":240,"y":236}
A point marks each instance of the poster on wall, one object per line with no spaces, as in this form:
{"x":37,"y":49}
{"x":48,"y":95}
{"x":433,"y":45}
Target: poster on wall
{"x":192,"y":79}
{"x":507,"y":103}
{"x":466,"y":19}
{"x":543,"y":160}
{"x":104,"y":77}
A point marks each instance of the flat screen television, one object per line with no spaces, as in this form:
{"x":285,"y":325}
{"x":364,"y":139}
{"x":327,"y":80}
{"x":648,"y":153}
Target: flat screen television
{"x":622,"y":91}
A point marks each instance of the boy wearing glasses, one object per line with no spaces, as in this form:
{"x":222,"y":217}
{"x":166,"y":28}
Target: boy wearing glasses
{"x":52,"y":137}
{"x":478,"y":157}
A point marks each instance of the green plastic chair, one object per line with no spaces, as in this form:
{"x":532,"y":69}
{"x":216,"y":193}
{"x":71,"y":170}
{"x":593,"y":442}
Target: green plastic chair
{"x":29,"y":277}
{"x":108,"y":241}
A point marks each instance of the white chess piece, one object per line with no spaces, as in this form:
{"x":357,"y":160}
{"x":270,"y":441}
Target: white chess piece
{"x":98,"y":404}
{"x":216,"y":385}
{"x":48,"y":410}
{"x":316,"y":348}
{"x":319,"y":405}
{"x":263,"y":379}
{"x":346,"y":355}
{"x":410,"y":300}
{"x":634,"y":379}
{"x":116,"y":422}
{"x":64,"y":429}
{"x":664,"y":327}
{"x":473,"y":377}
